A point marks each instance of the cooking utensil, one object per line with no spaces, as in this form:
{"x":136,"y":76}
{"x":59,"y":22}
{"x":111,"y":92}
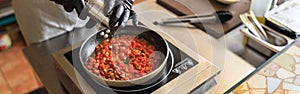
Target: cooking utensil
{"x":247,"y":22}
{"x":257,"y":25}
{"x":160,"y":44}
{"x":251,"y":23}
{"x":276,"y":42}
{"x":223,"y":16}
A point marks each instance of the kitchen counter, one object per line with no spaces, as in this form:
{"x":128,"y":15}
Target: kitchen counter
{"x":233,"y":68}
{"x":280,"y":75}
{"x":199,"y":43}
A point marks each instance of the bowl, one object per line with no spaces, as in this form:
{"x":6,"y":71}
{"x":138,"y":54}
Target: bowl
{"x":228,"y":2}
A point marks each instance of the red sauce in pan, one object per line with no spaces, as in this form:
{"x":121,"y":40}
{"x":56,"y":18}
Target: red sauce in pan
{"x":123,"y":58}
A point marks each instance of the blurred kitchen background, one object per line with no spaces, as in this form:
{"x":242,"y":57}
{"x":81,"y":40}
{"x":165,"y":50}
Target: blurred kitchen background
{"x":18,"y":77}
{"x":16,"y":74}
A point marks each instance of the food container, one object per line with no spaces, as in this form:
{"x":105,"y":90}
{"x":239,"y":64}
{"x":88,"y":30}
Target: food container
{"x":5,"y":42}
{"x":276,"y":41}
{"x":88,"y":47}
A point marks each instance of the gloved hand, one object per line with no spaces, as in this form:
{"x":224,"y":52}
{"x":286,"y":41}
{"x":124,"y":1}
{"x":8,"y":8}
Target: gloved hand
{"x":118,"y":11}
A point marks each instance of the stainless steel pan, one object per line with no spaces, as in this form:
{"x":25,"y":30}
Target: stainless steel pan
{"x":161,"y":46}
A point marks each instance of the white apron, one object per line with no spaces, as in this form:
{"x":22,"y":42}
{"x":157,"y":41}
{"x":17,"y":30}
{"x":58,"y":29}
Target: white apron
{"x":41,"y":20}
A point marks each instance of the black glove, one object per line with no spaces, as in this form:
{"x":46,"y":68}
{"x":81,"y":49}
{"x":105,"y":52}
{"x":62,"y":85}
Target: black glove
{"x":118,"y":11}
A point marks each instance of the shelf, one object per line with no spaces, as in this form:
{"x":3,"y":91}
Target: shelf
{"x":7,"y":20}
{"x":6,"y":11}
{"x":9,"y":31}
{"x":9,"y":28}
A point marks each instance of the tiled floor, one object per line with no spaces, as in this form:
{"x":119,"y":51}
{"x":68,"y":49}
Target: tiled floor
{"x":16,"y":73}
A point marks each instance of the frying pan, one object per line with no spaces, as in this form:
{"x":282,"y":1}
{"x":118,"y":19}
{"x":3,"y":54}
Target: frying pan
{"x":88,"y":47}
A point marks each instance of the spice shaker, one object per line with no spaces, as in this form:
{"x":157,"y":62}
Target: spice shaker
{"x":94,"y":10}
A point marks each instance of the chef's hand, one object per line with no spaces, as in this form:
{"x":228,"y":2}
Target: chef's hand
{"x":119,"y":11}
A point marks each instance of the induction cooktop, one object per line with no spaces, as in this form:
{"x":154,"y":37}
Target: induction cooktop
{"x":177,"y":64}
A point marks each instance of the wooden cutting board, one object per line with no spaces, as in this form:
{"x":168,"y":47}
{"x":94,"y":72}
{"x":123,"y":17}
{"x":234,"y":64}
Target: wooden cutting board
{"x":190,"y":7}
